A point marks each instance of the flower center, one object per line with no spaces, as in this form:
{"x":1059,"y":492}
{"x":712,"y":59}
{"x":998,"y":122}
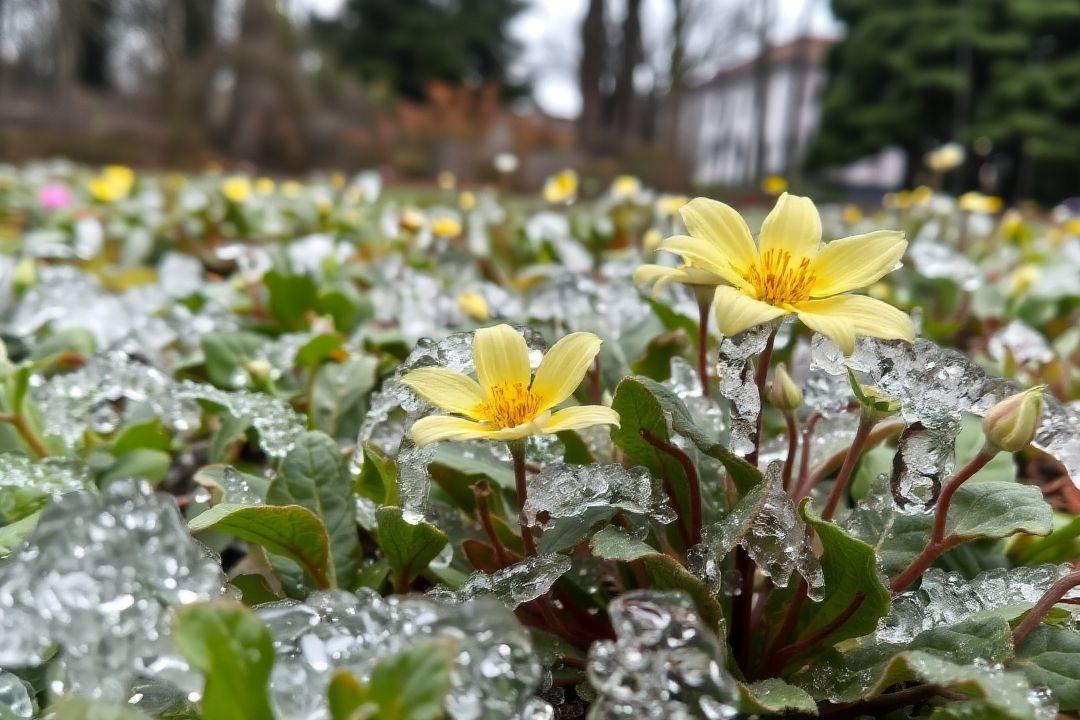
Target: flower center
{"x":777,"y":281}
{"x":509,"y":405}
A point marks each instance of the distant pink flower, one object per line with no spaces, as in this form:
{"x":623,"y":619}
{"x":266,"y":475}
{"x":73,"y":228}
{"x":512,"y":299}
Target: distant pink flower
{"x":54,"y":196}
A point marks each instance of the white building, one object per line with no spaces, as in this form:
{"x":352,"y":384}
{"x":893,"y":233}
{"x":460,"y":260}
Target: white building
{"x":718,"y":128}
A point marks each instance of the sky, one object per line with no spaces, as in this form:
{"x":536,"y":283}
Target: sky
{"x":549,"y":34}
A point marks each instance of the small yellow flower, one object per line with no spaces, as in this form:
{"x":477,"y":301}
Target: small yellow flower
{"x":508,"y":403}
{"x":668,"y":205}
{"x":1012,"y":423}
{"x":467,"y":201}
{"x":898,"y":200}
{"x":974,"y":202}
{"x":921,"y":195}
{"x":264,"y":186}
{"x":625,"y":188}
{"x":446,"y":227}
{"x":473,"y":305}
{"x":787,"y":271}
{"x":291,"y":189}
{"x":446,"y":180}
{"x":852,"y":214}
{"x":411,"y":220}
{"x":945,"y":158}
{"x":112,"y":184}
{"x":561,"y":187}
{"x":652,"y":239}
{"x":236,"y":188}
{"x":1072,"y":226}
{"x":1022,"y":279}
{"x":774,"y":185}
{"x":337,"y":180}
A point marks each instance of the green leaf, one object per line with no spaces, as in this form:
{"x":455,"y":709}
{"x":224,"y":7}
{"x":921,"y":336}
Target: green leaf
{"x":211,"y":478}
{"x":235,"y":653}
{"x":566,"y":532}
{"x":226,"y":354}
{"x":150,"y":434}
{"x":378,"y":479}
{"x":339,"y":395}
{"x":291,"y":296}
{"x":408,"y":546}
{"x":968,"y":444}
{"x":666,"y":573}
{"x":411,"y":685}
{"x":72,"y":707}
{"x":230,"y":430}
{"x":655,"y":363}
{"x":316,"y":350}
{"x":345,"y":306}
{"x":315,"y":475}
{"x":150,"y":465}
{"x":1050,"y":656}
{"x":996,"y":509}
{"x":1059,"y":546}
{"x":743,"y":474}
{"x":875,"y":462}
{"x":13,"y":534}
{"x":577,"y":452}
{"x":454,"y":456}
{"x":774,"y":697}
{"x":288,"y":530}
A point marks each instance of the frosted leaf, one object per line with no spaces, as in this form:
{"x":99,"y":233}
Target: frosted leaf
{"x":736,"y":367}
{"x":573,"y":301}
{"x":25,"y":483}
{"x":97,"y":578}
{"x":494,"y":674}
{"x":946,"y":598}
{"x":827,"y":393}
{"x":934,"y":385}
{"x":1025,"y":344}
{"x":686,"y":384}
{"x":924,"y":456}
{"x":179,"y":275}
{"x":664,"y":662}
{"x":563,"y":491}
{"x":15,"y":696}
{"x":514,"y":585}
{"x":274,"y":419}
{"x":938,"y":260}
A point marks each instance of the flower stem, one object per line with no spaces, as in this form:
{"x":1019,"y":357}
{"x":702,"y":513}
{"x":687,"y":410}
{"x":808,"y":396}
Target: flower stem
{"x":481,"y":492}
{"x":939,"y":543}
{"x":517,"y":452}
{"x":793,"y":445}
{"x":694,"y":485}
{"x":879,"y":434}
{"x":704,"y":303}
{"x":879,"y":706}
{"x":787,"y":653}
{"x":18,"y":421}
{"x":862,"y":434}
{"x":1051,"y":598}
{"x":595,"y":386}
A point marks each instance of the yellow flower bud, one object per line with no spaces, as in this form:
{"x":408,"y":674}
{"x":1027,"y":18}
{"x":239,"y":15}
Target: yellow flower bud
{"x":1022,"y":279}
{"x":25,"y":273}
{"x":410,"y":220}
{"x":784,"y":394}
{"x":652,"y":239}
{"x":446,"y":227}
{"x":264,"y":186}
{"x":236,"y":189}
{"x":446,"y":180}
{"x":561,"y":187}
{"x":474,"y":305}
{"x":852,"y":214}
{"x":1011,"y":424}
{"x":259,"y":370}
{"x":774,"y":185}
{"x":467,"y":200}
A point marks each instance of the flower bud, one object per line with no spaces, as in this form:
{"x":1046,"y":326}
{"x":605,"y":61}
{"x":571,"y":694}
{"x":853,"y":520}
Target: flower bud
{"x":474,"y":305}
{"x":875,"y":406}
{"x":25,"y":273}
{"x":259,"y":370}
{"x":1011,"y":424}
{"x":784,"y":394}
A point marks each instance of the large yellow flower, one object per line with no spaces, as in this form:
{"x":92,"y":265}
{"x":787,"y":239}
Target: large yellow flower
{"x":787,"y":270}
{"x":504,"y":404}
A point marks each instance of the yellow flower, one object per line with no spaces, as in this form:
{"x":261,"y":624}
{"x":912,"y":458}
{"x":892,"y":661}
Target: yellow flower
{"x":1022,"y":279}
{"x":236,"y":188}
{"x":467,"y":200}
{"x":974,"y":202}
{"x":898,"y":200}
{"x":789,"y":271}
{"x":473,"y":305}
{"x":291,"y":188}
{"x":852,"y":214}
{"x":651,"y":240}
{"x":337,"y":180}
{"x":921,"y":195}
{"x":446,"y":227}
{"x":411,"y":220}
{"x":1072,"y":226}
{"x":112,"y":184}
{"x":446,"y":180}
{"x":264,"y":186}
{"x":625,"y":187}
{"x":668,"y":205}
{"x":561,"y":187}
{"x":945,"y":158}
{"x":774,"y":185}
{"x":508,"y":403}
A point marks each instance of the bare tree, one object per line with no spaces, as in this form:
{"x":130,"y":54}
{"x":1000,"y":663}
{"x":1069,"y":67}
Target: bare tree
{"x":591,"y":73}
{"x":631,"y":54}
{"x":764,"y":20}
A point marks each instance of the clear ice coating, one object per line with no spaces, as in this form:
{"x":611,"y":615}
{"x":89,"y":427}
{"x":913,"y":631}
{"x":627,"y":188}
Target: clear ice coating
{"x":946,"y":598}
{"x":97,"y":579}
{"x":561,"y":491}
{"x":735,"y":368}
{"x":934,"y":385}
{"x":26,"y":484}
{"x":686,"y":384}
{"x":514,"y":585}
{"x":574,"y":301}
{"x":1025,"y":344}
{"x":495,"y":671}
{"x":937,"y":260}
{"x":15,"y":696}
{"x":664,"y":663}
{"x":924,"y":457}
{"x":274,"y":419}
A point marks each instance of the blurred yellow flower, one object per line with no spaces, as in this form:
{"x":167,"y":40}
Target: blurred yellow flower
{"x":975,"y":202}
{"x":652,"y":239}
{"x":668,"y":205}
{"x":446,"y":227}
{"x":921,"y":195}
{"x":900,"y":200}
{"x":945,"y":158}
{"x":112,"y":184}
{"x":473,"y":305}
{"x":411,"y":220}
{"x":236,"y":188}
{"x":291,"y":189}
{"x":1022,"y":279}
{"x":625,"y":187}
{"x":446,"y":180}
{"x":467,"y":200}
{"x":264,"y":186}
{"x":337,"y":180}
{"x":562,"y":187}
{"x":787,"y":271}
{"x":852,"y":214}
{"x":1072,"y":226}
{"x":506,"y":402}
{"x":774,"y":185}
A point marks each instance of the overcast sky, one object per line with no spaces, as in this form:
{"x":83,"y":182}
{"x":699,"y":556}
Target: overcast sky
{"x":548,"y":32}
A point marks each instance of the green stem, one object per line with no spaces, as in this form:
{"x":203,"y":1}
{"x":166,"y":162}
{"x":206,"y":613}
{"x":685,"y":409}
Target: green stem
{"x":19,"y":422}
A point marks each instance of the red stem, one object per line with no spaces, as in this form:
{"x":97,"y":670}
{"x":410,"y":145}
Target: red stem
{"x":759,"y":379}
{"x":793,"y":445}
{"x":866,"y":423}
{"x":694,"y":485}
{"x":481,"y":493}
{"x":1052,"y":597}
{"x":703,"y":345}
{"x":517,"y":451}
{"x":789,"y":652}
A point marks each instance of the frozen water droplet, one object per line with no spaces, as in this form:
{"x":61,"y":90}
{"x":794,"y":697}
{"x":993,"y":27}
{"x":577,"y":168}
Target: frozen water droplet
{"x":519,"y":583}
{"x":735,"y":368}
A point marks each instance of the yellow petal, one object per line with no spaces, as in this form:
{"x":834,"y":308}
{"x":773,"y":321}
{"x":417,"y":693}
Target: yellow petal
{"x":449,"y":390}
{"x":736,"y":312}
{"x":793,"y":225}
{"x":563,"y":368}
{"x":501,"y":356}
{"x":436,"y":428}
{"x":721,"y":225}
{"x":703,"y":255}
{"x":855,"y":262}
{"x":582,"y":416}
{"x":842,"y":317}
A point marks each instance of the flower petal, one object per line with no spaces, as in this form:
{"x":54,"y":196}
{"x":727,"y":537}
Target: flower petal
{"x":736,"y":312}
{"x":436,"y":428}
{"x":793,"y":225}
{"x":563,"y":367}
{"x":704,"y":255}
{"x":501,"y":356}
{"x":854,"y":262}
{"x":452,"y":391}
{"x":842,"y":317}
{"x":581,"y":416}
{"x":721,"y":225}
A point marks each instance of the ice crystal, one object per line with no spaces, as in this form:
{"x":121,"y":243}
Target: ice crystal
{"x":15,"y":696}
{"x":277,"y":423}
{"x":736,"y":368}
{"x":562,"y":491}
{"x":937,"y":260}
{"x":24,"y":483}
{"x":495,"y":669}
{"x":663,"y":664}
{"x":1025,"y":344}
{"x":519,"y":583}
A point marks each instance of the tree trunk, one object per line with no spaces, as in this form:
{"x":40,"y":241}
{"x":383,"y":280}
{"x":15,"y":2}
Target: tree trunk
{"x":93,"y":49}
{"x":591,"y":72}
{"x":676,"y":76}
{"x":762,"y":74}
{"x":630,"y":56}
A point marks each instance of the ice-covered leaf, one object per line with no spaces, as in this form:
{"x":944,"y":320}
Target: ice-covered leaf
{"x":774,"y":697}
{"x":513,"y":585}
{"x":27,"y":485}
{"x":15,"y":698}
{"x":292,"y":531}
{"x":410,"y":543}
{"x":235,"y":653}
{"x":228,"y":485}
{"x":1051,"y":657}
{"x":314,"y":474}
{"x":227,"y":354}
{"x":339,"y":396}
{"x":410,"y":685}
{"x":735,"y":368}
{"x":278,"y":425}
